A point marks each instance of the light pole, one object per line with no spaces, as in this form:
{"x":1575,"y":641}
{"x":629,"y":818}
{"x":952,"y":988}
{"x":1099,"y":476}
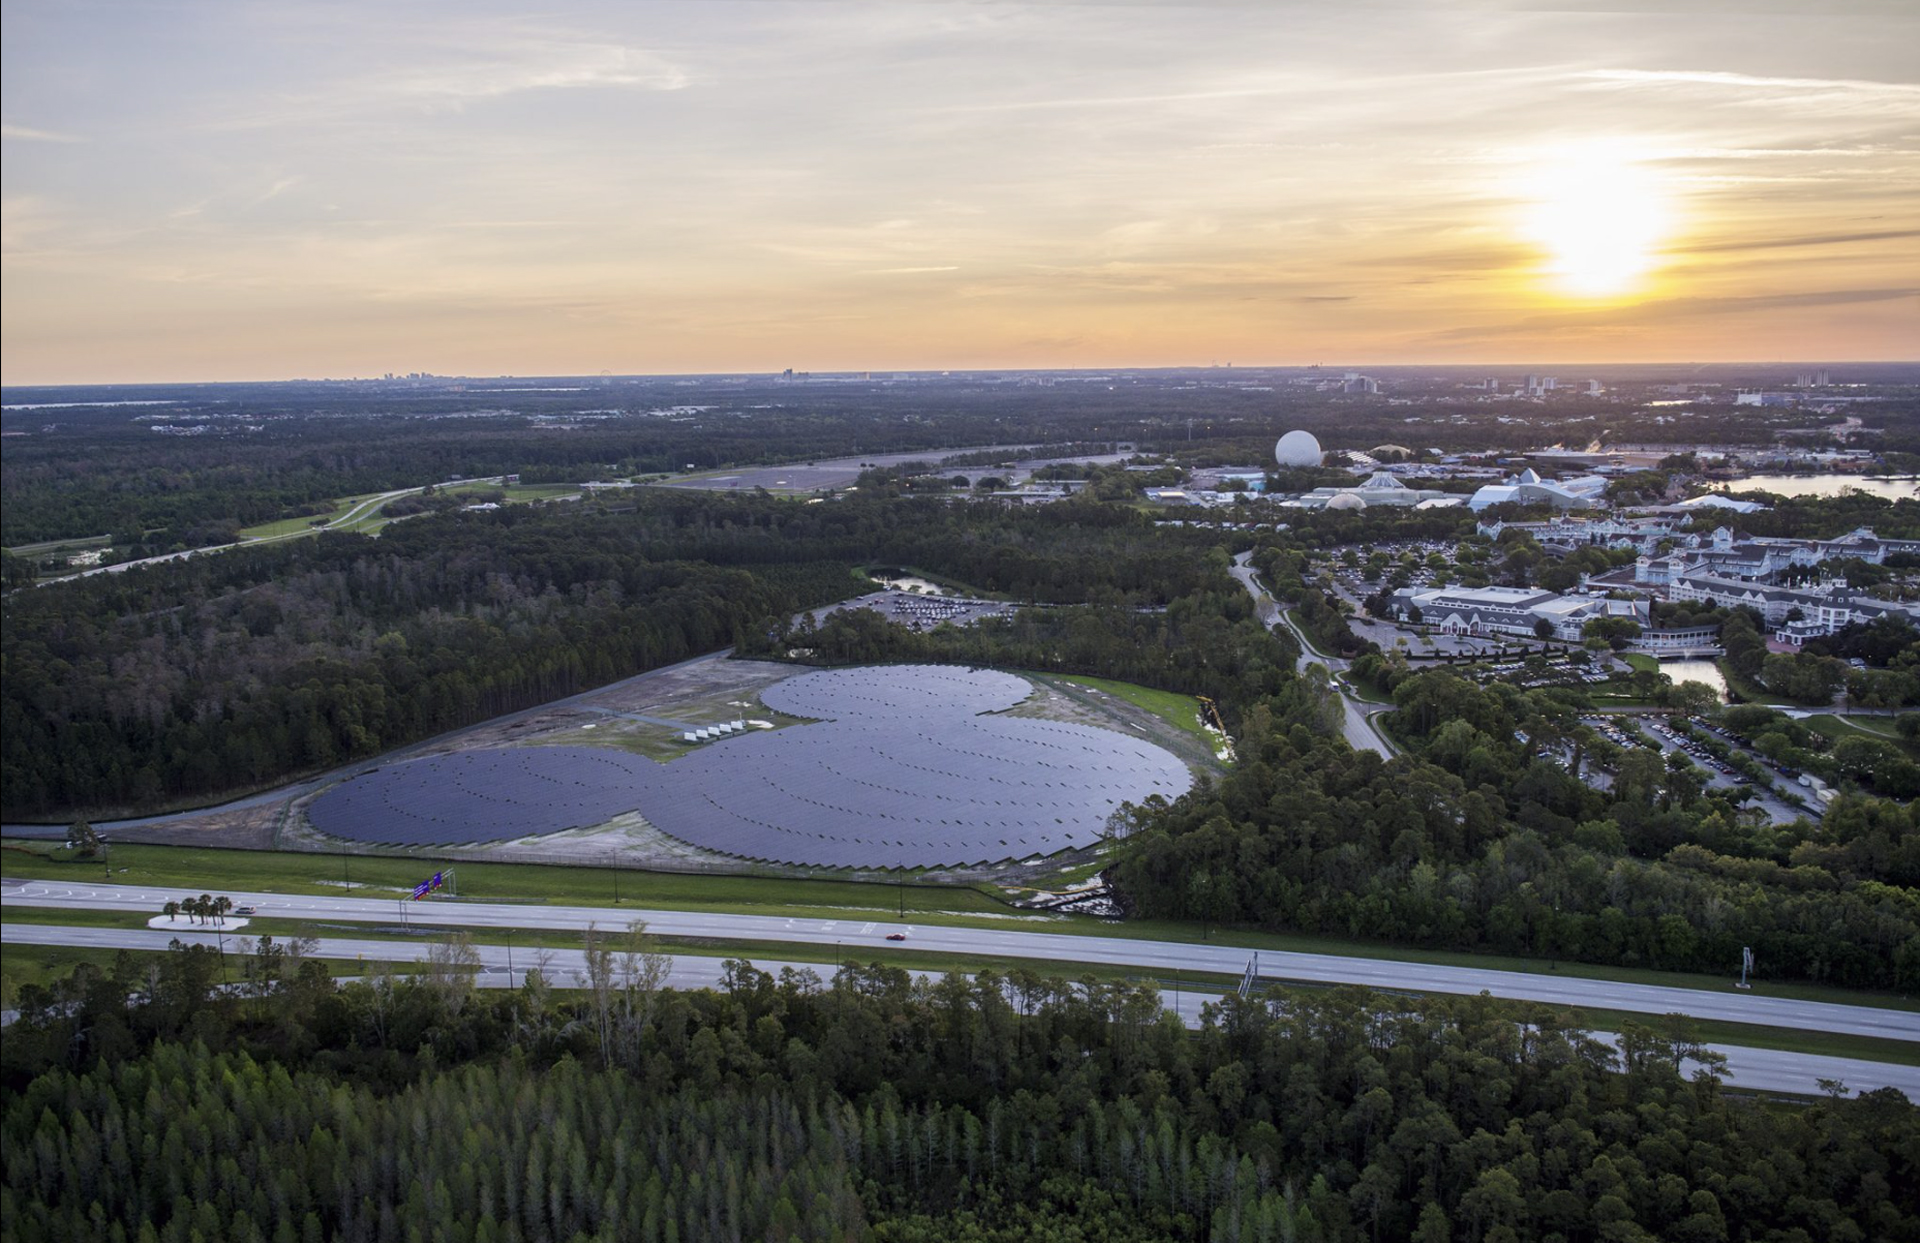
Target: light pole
{"x":509,"y":960}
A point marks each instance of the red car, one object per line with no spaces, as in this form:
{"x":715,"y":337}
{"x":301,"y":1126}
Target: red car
{"x":896,"y":936}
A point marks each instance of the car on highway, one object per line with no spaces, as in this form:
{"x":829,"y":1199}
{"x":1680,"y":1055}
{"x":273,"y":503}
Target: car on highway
{"x":243,"y":910}
{"x":896,"y":936}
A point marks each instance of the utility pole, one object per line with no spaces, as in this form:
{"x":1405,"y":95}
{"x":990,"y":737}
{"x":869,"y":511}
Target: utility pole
{"x":509,"y":959}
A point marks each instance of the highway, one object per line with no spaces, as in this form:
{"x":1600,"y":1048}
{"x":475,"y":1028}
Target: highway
{"x":1157,"y":957}
{"x":1759,"y":1070}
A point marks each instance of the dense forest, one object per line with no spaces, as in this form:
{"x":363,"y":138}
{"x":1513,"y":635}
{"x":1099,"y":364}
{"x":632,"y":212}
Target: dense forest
{"x":184,"y":681}
{"x":982,"y":1110}
{"x":1473,"y":840}
{"x":1207,"y":643}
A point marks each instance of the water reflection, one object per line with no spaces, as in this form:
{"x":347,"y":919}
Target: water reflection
{"x":1828,"y":485}
{"x":1696,"y":671}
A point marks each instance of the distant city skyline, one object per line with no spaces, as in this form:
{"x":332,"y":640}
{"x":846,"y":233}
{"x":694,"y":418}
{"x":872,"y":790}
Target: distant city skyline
{"x":213,"y":191}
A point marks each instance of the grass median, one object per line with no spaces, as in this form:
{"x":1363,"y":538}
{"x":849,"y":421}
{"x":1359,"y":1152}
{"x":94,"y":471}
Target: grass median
{"x":375,"y":876}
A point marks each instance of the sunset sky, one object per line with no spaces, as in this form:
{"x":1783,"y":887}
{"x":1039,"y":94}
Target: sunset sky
{"x":202,"y":191}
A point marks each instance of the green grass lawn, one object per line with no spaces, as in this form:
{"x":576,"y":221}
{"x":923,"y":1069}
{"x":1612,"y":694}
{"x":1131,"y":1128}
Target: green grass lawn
{"x":376,"y":875}
{"x":1878,"y":728}
{"x":61,"y":546}
{"x":18,"y":913}
{"x":1177,"y":710}
{"x":1641,"y":662}
{"x":1620,"y":701}
{"x":283,"y":527}
{"x":1367,"y":692}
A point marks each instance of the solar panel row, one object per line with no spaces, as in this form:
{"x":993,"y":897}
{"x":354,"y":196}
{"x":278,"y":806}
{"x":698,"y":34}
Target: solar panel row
{"x":906,"y":768}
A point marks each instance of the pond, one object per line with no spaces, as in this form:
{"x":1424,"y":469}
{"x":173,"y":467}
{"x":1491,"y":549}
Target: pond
{"x":1829,"y":485}
{"x":1696,"y":671}
{"x":900,"y":580}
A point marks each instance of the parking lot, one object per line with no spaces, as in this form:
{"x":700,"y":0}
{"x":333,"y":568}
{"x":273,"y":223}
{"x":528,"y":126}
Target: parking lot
{"x":1719,"y":776}
{"x":921,"y":612}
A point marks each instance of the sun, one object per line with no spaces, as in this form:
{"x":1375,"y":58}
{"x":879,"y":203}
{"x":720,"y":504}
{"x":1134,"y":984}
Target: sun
{"x":1599,"y":215}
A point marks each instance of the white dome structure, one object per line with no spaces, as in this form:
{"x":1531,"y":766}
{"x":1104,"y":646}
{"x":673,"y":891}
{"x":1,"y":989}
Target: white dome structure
{"x":1297,"y":449}
{"x":1345,"y":500}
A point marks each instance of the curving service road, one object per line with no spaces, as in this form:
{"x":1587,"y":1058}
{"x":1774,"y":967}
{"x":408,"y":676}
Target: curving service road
{"x":1156,"y":956}
{"x":360,"y":510}
{"x":1759,"y":1070}
{"x":1356,"y":715}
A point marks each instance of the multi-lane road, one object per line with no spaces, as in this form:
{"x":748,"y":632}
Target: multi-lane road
{"x":1156,"y":957}
{"x":501,"y":966}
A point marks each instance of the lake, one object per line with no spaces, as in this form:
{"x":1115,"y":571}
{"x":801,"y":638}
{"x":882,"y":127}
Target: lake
{"x":1829,"y":485}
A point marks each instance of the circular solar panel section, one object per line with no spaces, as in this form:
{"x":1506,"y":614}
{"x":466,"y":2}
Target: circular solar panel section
{"x":484,"y":796}
{"x":904,"y":766}
{"x":895,"y":690}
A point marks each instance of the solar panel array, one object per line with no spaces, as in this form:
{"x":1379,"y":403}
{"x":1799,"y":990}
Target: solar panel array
{"x":483,"y":796}
{"x":905,"y":768}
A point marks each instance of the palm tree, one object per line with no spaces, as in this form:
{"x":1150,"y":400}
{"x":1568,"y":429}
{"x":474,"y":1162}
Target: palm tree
{"x":221,"y":905}
{"x":170,"y":910}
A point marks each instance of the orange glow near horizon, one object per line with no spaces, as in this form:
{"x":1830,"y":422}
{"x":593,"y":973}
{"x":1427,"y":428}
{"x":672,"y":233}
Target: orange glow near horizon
{"x":329,"y":190}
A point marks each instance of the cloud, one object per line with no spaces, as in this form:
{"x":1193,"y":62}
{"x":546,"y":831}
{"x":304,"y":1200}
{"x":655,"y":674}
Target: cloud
{"x":562,"y":66}
{"x":1647,"y":314}
{"x":1785,"y":243}
{"x":23,"y":218}
{"x":1805,"y":98}
{"x":23,"y":133}
{"x":1700,"y":77}
{"x":908,"y":271}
